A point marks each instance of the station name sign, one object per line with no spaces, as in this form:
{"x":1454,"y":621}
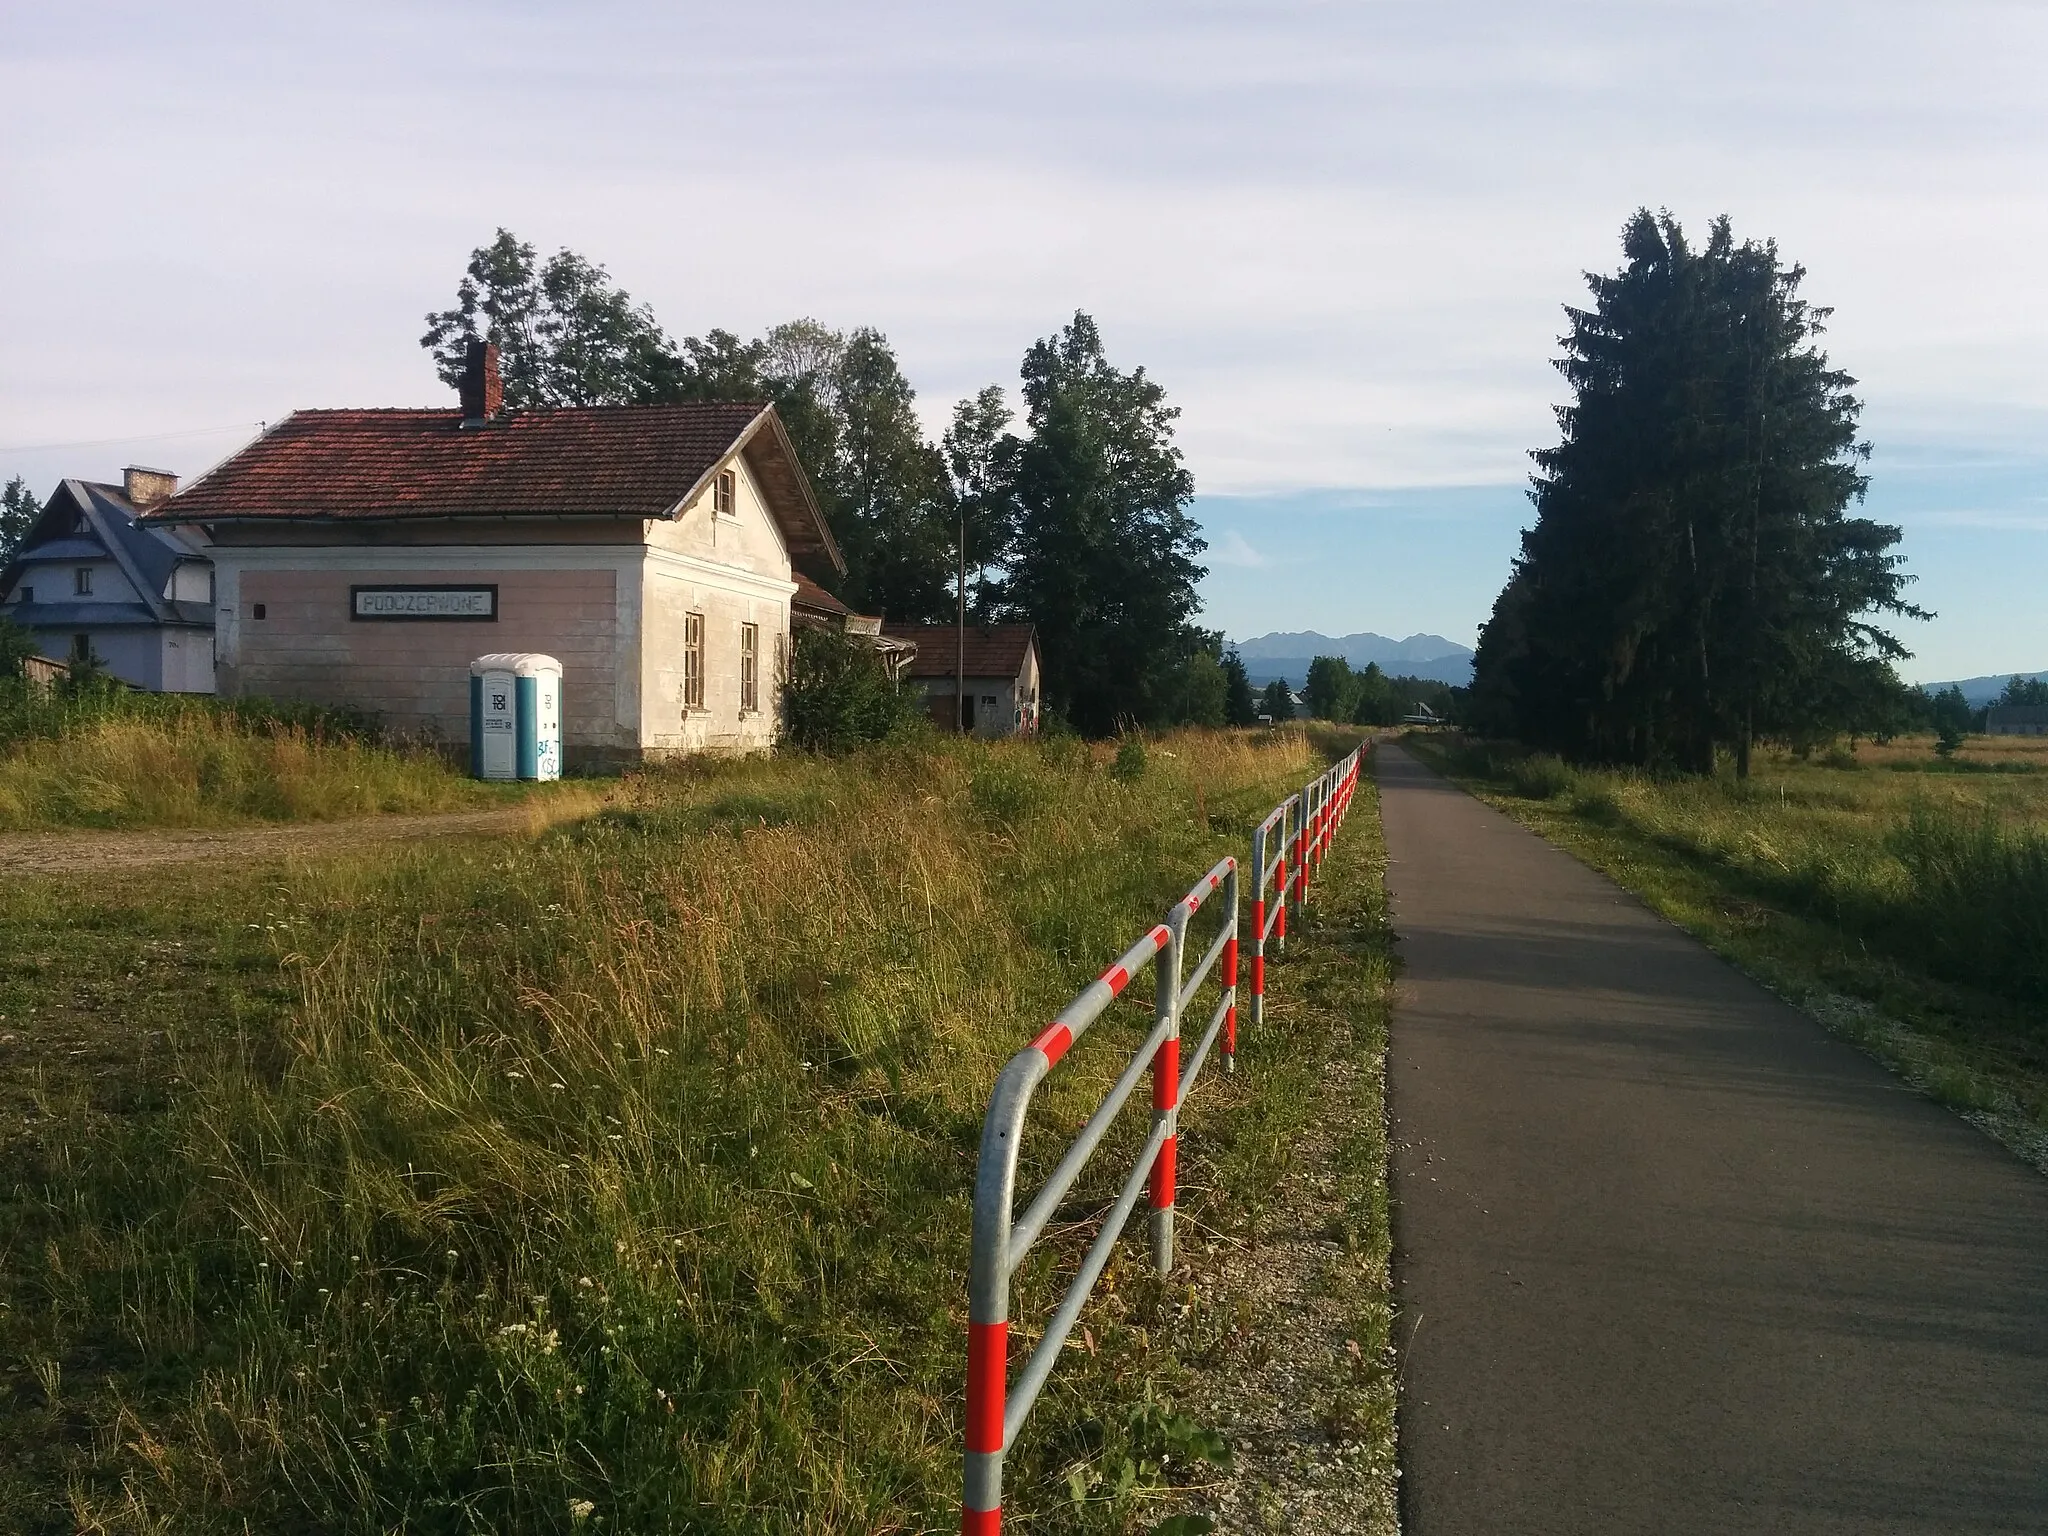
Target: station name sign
{"x":429,"y":602}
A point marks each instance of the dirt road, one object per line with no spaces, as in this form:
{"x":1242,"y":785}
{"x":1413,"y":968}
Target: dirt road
{"x":1669,"y":1257}
{"x":74,"y":852}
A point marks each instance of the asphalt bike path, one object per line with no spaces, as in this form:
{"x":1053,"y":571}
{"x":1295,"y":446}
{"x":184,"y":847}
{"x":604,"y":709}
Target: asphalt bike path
{"x":1669,"y":1257}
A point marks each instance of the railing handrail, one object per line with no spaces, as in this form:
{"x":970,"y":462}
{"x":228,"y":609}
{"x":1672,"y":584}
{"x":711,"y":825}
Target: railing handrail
{"x":1305,"y":823}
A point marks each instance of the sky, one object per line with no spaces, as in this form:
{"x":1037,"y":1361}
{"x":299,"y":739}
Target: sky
{"x":1341,"y":236}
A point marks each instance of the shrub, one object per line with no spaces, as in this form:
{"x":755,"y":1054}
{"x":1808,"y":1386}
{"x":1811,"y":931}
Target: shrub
{"x":1130,"y":759}
{"x":1539,"y":777}
{"x":836,"y":695}
{"x":16,"y":646}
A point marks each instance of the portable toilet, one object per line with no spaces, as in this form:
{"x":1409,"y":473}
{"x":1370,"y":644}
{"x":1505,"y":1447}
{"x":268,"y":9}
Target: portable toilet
{"x":515,"y":716}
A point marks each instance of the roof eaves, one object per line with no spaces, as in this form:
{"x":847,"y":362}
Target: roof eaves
{"x":351,"y":518}
{"x":772,"y":418}
{"x":164,"y":513}
{"x":711,"y":470}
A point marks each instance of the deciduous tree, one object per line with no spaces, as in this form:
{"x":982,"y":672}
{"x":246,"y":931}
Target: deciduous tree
{"x":19,"y":510}
{"x":981,"y":457}
{"x":893,"y":498}
{"x":1104,"y":555}
{"x":1330,"y":689}
{"x":566,"y":333}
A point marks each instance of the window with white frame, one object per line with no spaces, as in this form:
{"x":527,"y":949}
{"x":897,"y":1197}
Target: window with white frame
{"x":81,"y":581}
{"x":750,"y":667}
{"x":693,"y":661}
{"x":725,"y":494}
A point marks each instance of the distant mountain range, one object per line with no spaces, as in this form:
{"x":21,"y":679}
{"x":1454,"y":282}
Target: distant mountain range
{"x":1287,"y":655}
{"x":1979,"y":691}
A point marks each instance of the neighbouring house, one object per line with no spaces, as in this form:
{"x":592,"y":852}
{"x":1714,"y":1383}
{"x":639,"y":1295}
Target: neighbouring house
{"x":815,"y":608}
{"x":364,"y":558}
{"x":92,"y":579}
{"x":2016,"y":720}
{"x":1001,"y":696}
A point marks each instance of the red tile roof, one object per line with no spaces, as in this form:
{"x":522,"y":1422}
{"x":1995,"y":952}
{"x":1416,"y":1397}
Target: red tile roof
{"x":993,"y":650}
{"x":814,"y":597}
{"x":635,"y":461}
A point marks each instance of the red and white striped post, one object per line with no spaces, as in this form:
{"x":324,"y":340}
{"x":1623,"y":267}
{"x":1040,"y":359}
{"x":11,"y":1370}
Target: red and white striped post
{"x":1165,"y":1117}
{"x":988,"y":1369}
{"x":1280,"y":894}
{"x":1230,"y":1019}
{"x":1269,"y":921}
{"x":988,"y":1288}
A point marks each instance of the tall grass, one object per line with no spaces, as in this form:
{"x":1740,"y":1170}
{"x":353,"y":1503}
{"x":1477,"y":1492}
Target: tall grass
{"x":618,"y":1180}
{"x":111,"y":759}
{"x":1977,"y":897}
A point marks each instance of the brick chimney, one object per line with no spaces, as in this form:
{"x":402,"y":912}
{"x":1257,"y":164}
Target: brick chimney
{"x":483,"y":392}
{"x":146,"y":488}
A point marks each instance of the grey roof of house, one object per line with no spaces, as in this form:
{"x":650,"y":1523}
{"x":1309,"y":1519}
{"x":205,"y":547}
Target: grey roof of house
{"x":146,"y":555}
{"x":76,"y":548}
{"x":91,"y":615}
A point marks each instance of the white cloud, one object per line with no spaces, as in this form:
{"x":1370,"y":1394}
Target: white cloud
{"x":1234,"y":549}
{"x":1340,"y":235}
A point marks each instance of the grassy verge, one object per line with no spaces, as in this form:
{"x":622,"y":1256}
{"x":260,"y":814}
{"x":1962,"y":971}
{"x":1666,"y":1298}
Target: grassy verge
{"x":615,"y":1179}
{"x":1900,"y":899}
{"x":1306,"y":1390}
{"x":102,"y":757}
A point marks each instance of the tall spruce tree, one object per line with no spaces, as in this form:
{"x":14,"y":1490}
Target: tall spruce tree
{"x":1241,"y":705}
{"x":1693,"y":577}
{"x":1103,"y":557}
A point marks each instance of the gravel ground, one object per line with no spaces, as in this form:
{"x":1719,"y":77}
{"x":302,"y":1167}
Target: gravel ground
{"x":1307,"y":1406}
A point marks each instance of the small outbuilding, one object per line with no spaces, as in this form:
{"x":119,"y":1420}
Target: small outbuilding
{"x":1002,"y":675}
{"x":93,"y":580}
{"x":365,"y":558}
{"x":2016,"y":720}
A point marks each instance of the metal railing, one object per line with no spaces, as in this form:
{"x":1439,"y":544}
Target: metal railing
{"x":1291,"y":841}
{"x":995,"y":1409}
{"x":1272,"y":841}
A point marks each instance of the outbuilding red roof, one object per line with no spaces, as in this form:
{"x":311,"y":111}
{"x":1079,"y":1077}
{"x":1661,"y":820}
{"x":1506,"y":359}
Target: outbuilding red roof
{"x":810,"y":595}
{"x":638,"y":461}
{"x":993,"y":650}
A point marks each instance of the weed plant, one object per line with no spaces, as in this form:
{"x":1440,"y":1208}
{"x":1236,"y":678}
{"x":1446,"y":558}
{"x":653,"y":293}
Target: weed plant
{"x":618,"y":1180}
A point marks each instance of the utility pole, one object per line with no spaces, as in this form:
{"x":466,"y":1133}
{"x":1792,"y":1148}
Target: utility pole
{"x":960,"y":657}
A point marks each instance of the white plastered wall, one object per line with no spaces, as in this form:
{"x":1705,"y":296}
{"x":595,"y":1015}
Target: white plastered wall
{"x":733,"y":571}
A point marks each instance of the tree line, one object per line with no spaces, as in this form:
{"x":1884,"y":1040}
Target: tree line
{"x":1333,"y":691}
{"x":1074,"y":518}
{"x":1694,"y":582}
